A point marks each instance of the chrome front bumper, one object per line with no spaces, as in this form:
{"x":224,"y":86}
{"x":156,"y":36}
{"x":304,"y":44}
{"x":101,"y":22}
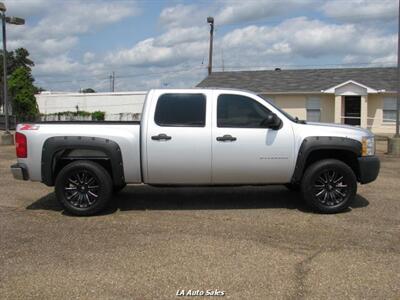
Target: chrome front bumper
{"x":19,"y":171}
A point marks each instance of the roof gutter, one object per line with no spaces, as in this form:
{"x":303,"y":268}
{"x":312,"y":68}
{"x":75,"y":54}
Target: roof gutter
{"x":314,"y":92}
{"x":291,"y":93}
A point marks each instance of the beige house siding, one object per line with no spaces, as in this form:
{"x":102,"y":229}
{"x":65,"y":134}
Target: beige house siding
{"x":296,"y":105}
{"x":375,"y":114}
{"x":293,"y":104}
{"x":328,"y":108}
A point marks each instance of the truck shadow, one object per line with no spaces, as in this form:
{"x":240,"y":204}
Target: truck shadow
{"x":143,"y":197}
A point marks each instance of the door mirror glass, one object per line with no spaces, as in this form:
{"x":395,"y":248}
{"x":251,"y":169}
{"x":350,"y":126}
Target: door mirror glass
{"x":271,"y":121}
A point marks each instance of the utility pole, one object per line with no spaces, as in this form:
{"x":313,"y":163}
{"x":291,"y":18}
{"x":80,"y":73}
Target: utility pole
{"x":397,"y":135}
{"x":112,"y":81}
{"x":210,"y":20}
{"x":222,"y":60}
{"x":7,"y":138}
{"x":5,"y":89}
{"x":394,"y":142}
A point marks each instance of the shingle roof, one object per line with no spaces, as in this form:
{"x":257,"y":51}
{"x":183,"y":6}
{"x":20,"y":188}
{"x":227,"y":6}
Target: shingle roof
{"x":303,"y":80}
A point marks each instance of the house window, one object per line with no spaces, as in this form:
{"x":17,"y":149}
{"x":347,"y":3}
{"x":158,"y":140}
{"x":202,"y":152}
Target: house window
{"x":314,"y":109}
{"x":389,"y":109}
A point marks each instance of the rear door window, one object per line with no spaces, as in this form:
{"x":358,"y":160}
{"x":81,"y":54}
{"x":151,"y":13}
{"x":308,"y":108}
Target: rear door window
{"x":181,"y":110}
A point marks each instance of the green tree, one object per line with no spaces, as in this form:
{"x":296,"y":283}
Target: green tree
{"x":15,"y":59}
{"x":20,"y":59}
{"x":23,"y":92}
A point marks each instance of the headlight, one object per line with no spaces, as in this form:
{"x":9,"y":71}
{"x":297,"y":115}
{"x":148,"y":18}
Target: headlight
{"x":368,"y":145}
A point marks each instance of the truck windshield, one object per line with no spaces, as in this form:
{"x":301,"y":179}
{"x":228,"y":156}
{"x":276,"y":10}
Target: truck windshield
{"x":287,"y":115}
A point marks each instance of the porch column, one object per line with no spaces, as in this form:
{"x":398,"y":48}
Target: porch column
{"x":338,"y":109}
{"x":364,"y":111}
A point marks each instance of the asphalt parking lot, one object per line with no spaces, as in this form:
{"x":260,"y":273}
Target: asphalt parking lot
{"x":250,"y":242}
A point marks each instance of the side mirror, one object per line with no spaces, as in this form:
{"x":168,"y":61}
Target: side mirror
{"x":272,"y":121}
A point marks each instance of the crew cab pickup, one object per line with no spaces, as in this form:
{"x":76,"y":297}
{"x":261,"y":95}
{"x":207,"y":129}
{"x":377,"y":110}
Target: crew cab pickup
{"x":197,"y":137}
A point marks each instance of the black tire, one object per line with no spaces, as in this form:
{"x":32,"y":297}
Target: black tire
{"x":118,"y":188}
{"x":293,"y":187}
{"x":83,"y":188}
{"x":329,"y":186}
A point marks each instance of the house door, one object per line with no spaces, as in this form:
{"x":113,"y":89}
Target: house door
{"x":352,"y":110}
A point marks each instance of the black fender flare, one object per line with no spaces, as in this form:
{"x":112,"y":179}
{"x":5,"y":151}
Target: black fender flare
{"x":313,"y":143}
{"x":53,"y":145}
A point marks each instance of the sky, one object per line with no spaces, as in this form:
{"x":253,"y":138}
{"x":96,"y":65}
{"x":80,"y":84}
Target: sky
{"x":156,"y":44}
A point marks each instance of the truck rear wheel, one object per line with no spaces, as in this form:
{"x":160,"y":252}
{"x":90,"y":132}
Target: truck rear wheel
{"x":83,"y":188}
{"x":329,"y":186}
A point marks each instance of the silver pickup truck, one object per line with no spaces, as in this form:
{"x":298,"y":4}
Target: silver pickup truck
{"x":197,"y":137}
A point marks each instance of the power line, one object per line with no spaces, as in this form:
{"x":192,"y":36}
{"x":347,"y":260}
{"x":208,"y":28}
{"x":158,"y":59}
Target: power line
{"x":276,"y":20}
{"x":160,"y":73}
{"x":224,"y":67}
{"x":70,"y":80}
{"x":305,"y":65}
{"x":125,"y":76}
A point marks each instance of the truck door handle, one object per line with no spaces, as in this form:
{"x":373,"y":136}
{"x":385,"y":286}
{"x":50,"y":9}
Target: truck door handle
{"x":161,"y":136}
{"x":226,"y":137}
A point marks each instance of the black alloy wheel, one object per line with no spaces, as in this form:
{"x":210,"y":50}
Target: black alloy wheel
{"x":83,"y":187}
{"x":329,"y":186}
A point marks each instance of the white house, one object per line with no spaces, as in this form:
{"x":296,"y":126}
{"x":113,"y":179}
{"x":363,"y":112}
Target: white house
{"x":117,"y":106}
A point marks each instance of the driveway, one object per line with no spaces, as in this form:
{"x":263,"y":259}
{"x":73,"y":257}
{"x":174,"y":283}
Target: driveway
{"x":248,"y":242}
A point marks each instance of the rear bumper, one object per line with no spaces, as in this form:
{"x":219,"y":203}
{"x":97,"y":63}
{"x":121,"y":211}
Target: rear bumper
{"x":19,"y":171}
{"x":369,"y":168}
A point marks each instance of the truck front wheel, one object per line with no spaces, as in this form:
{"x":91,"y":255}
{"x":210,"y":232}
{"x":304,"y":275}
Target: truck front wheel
{"x":83,"y":187}
{"x":329,"y":186}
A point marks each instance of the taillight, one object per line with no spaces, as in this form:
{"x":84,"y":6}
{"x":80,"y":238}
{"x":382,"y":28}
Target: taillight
{"x":21,"y":145}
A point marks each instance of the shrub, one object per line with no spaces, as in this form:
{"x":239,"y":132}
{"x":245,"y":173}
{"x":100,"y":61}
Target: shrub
{"x":98,"y":116}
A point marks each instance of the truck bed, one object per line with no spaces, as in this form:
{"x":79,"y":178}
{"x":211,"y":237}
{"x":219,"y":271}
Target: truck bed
{"x":126,"y":134}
